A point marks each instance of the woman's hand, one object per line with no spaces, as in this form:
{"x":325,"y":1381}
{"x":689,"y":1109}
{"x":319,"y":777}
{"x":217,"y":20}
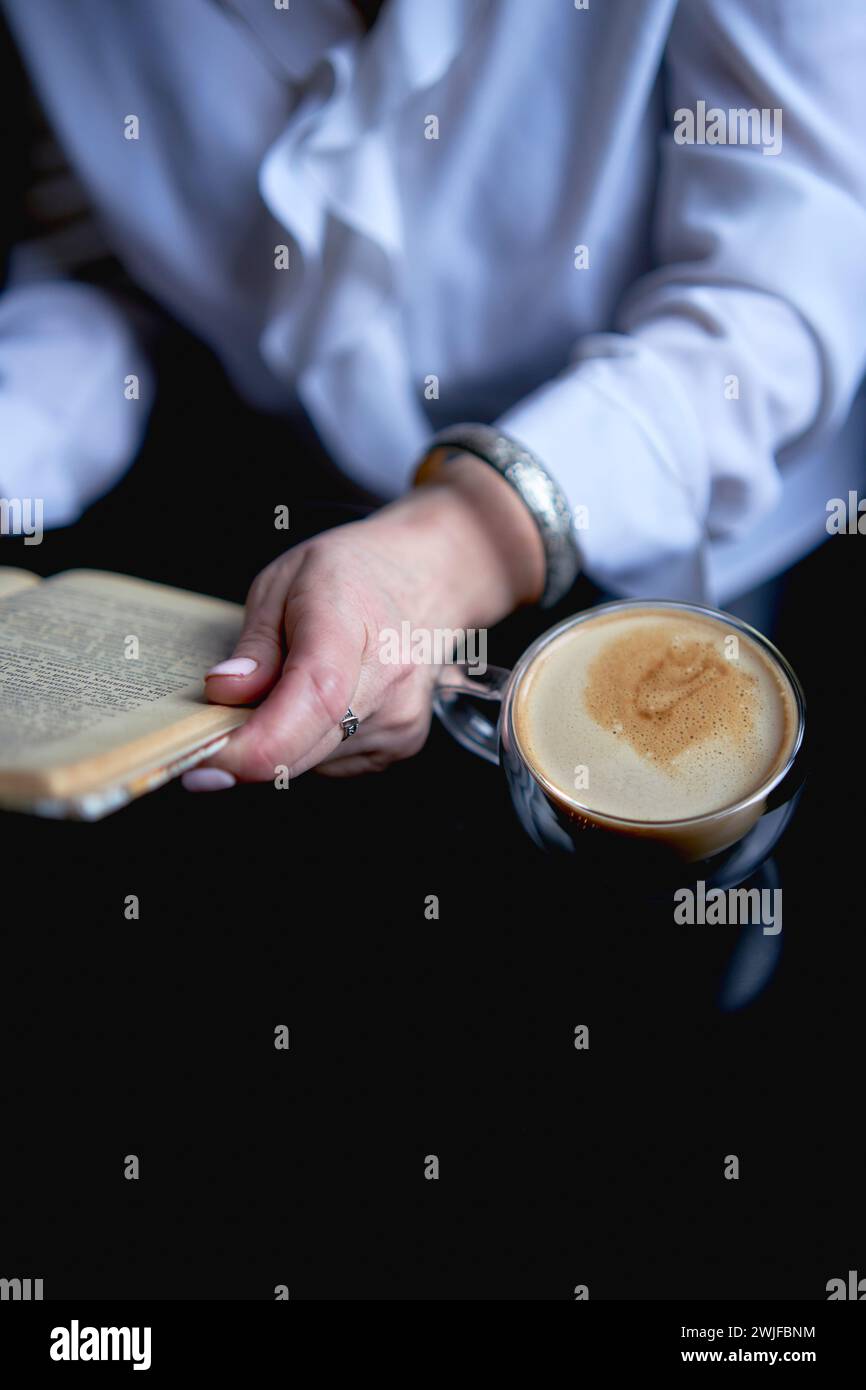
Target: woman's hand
{"x":458,"y":553}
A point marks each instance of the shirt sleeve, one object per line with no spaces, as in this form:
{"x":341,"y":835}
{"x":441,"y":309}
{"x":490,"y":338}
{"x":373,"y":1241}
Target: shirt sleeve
{"x":749,"y":334}
{"x":71,"y":417}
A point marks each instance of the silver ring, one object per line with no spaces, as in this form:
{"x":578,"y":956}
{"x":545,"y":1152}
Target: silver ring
{"x":349,"y":724}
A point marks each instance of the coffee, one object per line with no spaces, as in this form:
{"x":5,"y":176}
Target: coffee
{"x":654,"y":714}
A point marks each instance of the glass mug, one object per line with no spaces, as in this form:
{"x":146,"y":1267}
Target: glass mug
{"x":724,"y":847}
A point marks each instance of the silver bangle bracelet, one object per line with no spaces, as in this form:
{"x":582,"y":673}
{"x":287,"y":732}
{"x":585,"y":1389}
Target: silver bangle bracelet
{"x":544,"y":497}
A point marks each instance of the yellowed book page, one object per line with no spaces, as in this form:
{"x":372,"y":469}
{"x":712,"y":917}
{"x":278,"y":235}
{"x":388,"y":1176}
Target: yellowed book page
{"x":101,"y":677}
{"x":12,"y":580}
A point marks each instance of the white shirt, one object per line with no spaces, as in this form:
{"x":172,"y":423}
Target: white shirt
{"x":704,"y":346}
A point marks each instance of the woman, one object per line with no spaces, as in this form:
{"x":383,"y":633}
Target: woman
{"x":624,"y":241}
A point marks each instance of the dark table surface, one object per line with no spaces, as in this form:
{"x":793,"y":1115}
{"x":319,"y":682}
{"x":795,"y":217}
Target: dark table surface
{"x":411,"y":1037}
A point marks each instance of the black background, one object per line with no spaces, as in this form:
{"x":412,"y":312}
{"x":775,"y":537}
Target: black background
{"x":410,"y":1037}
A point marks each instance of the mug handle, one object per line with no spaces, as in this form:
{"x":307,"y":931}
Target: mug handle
{"x":467,"y":725}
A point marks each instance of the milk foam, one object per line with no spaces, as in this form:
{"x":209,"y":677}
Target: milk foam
{"x":666,"y":721}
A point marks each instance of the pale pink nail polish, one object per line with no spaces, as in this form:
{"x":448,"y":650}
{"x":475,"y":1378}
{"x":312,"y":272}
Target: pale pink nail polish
{"x":237,"y":666}
{"x":207,"y":779}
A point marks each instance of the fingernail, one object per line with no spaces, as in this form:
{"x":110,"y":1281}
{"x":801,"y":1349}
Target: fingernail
{"x":207,"y":779}
{"x":238,"y":666}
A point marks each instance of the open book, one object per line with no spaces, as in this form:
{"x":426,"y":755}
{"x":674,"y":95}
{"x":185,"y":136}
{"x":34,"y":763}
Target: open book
{"x":102,"y":688}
